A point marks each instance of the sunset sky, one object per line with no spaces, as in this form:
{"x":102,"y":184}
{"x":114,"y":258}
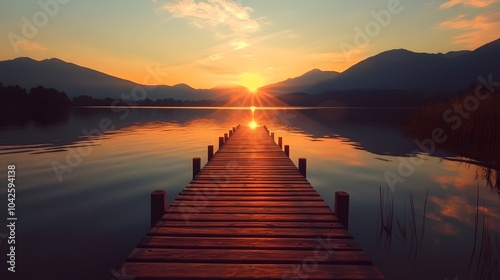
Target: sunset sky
{"x":206,"y":43}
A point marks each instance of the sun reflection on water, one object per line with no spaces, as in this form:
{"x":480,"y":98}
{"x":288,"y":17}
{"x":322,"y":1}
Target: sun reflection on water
{"x":253,"y":124}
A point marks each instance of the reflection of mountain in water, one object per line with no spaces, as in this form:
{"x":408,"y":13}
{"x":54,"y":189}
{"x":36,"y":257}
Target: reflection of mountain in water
{"x":379,"y":131}
{"x":69,"y":130}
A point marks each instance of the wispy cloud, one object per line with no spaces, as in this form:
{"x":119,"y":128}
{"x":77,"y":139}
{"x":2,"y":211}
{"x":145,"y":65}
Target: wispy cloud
{"x":215,"y":13}
{"x":30,"y":46}
{"x":230,"y":51}
{"x":475,"y":31}
{"x":238,"y":45}
{"x":467,"y":3}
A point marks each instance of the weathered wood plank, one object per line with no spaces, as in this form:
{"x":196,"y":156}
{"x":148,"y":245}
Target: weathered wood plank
{"x":198,"y":271}
{"x":249,"y":217}
{"x":275,"y":185}
{"x":221,"y":180}
{"x":201,"y":208}
{"x":245,"y":256}
{"x":249,"y":243}
{"x":248,"y":193}
{"x":249,"y":196}
{"x":251,"y":203}
{"x":251,"y":232}
{"x":239,"y":224}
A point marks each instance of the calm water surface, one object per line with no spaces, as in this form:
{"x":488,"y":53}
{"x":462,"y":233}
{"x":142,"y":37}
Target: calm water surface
{"x":441,"y":220}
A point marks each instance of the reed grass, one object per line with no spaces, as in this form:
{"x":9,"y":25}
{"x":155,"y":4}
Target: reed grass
{"x":487,"y":262}
{"x":477,"y":137}
{"x":407,"y":226}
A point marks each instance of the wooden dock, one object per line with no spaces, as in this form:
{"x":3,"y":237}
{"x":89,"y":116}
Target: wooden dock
{"x":248,"y":214}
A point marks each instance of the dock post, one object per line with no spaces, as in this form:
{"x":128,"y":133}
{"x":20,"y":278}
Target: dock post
{"x":280,"y":142}
{"x":287,"y":150}
{"x":221,"y":142}
{"x":230,"y":133}
{"x":210,"y":152}
{"x":303,"y":166}
{"x":342,"y":208}
{"x":196,"y":166}
{"x":234,"y":129}
{"x":158,"y":205}
{"x":226,"y":137}
{"x":272,"y":135}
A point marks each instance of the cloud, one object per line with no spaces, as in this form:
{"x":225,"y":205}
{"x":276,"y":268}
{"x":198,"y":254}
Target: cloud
{"x":30,"y":46}
{"x":475,"y":31}
{"x":467,"y":3}
{"x":215,"y":13}
{"x":217,"y":70}
{"x":238,"y":45}
{"x":227,"y":49}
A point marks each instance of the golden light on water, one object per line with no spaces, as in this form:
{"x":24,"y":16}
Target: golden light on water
{"x":253,"y":124}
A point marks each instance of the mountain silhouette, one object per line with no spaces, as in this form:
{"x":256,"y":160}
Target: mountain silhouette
{"x":300,"y":83}
{"x":417,"y":72}
{"x":399,"y":74}
{"x":76,"y":80}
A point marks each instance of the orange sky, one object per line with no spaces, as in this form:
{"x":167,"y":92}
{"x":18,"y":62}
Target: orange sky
{"x":205,"y":43}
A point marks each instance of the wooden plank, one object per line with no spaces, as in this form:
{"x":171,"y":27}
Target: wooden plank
{"x":251,"y":232}
{"x":251,"y":203}
{"x":192,"y":271}
{"x":250,"y":197}
{"x":249,"y":243}
{"x":248,"y":193}
{"x":277,"y":186}
{"x":247,"y":181}
{"x":249,"y":177}
{"x":291,"y":168}
{"x":250,"y":171}
{"x":242,"y":210}
{"x":282,"y":177}
{"x":245,"y":256}
{"x":249,"y":217}
{"x":239,"y":224}
{"x":250,"y":163}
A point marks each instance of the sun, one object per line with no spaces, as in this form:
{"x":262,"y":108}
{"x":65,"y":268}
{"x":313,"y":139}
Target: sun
{"x":251,"y":81}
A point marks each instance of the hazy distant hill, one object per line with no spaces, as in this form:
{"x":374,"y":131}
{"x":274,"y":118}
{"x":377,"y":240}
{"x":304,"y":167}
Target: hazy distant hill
{"x":76,"y":80}
{"x":300,"y":83}
{"x":419,"y":72}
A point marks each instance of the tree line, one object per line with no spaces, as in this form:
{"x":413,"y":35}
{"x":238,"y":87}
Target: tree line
{"x":38,"y":98}
{"x":49,"y":99}
{"x":85,"y":100}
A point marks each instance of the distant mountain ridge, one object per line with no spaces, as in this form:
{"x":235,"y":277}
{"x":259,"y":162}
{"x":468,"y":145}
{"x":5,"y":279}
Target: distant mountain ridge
{"x":419,"y":72}
{"x":76,"y":80}
{"x":300,"y":83}
{"x":389,"y":75}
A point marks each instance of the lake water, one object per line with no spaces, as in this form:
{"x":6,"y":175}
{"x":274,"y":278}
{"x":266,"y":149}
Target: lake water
{"x":83,"y":200}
